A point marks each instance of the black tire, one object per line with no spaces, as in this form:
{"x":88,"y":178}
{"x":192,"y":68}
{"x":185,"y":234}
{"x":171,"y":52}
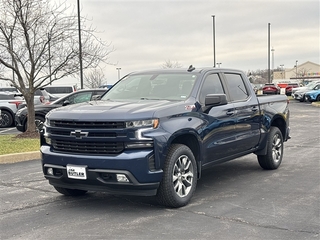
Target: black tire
{"x":70,"y":192}
{"x":273,"y":157}
{"x":302,"y":99}
{"x":40,"y":118}
{"x":318,"y":98}
{"x":6,"y":119}
{"x":179,"y":177}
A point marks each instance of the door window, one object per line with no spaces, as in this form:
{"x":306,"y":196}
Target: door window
{"x":211,"y":85}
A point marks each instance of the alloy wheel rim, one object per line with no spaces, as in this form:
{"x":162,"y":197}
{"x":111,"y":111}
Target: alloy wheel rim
{"x":276,"y":148}
{"x":182,"y":176}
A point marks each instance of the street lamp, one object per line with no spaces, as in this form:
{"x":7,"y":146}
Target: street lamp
{"x":214,"y":40}
{"x":282,"y":70}
{"x":118,"y":69}
{"x":296,"y":68}
{"x":80,"y":46}
{"x":272,"y":51}
{"x":49,"y":50}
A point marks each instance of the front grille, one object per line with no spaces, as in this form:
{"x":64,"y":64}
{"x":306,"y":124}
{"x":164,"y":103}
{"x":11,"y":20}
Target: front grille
{"x":83,"y":147}
{"x":91,"y":134}
{"x":85,"y":125}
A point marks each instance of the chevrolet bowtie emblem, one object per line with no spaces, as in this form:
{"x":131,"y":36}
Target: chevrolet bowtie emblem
{"x":79,"y":134}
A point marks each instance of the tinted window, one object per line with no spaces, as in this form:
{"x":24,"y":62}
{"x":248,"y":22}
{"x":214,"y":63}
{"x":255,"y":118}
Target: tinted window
{"x":79,"y":97}
{"x":58,"y":90}
{"x":211,"y":85}
{"x":236,"y":87}
{"x":8,"y":89}
{"x":6,"y":97}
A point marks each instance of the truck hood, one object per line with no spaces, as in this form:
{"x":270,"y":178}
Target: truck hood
{"x":120,"y":110}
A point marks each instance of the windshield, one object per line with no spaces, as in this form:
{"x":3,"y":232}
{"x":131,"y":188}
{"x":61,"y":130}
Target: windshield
{"x":168,"y":86}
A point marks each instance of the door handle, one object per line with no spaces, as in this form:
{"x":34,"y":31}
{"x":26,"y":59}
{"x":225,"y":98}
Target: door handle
{"x":254,"y":109}
{"x":231,"y":112}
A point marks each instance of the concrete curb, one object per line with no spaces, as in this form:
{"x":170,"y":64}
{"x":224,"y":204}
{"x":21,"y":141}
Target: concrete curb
{"x":19,"y":157}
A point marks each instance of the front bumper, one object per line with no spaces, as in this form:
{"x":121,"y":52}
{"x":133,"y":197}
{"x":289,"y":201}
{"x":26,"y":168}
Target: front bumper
{"x":102,"y":170}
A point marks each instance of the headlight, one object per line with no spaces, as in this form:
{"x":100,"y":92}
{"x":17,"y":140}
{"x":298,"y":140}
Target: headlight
{"x":153,"y":123}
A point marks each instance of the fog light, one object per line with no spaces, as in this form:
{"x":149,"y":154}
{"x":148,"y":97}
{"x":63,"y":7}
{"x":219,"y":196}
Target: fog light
{"x":122,"y":178}
{"x":50,"y":171}
{"x":48,"y":140}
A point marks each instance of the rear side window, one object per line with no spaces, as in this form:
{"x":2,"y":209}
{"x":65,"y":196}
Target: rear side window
{"x":237,"y":89}
{"x":8,"y":89}
{"x":6,"y":97}
{"x":57,"y":90}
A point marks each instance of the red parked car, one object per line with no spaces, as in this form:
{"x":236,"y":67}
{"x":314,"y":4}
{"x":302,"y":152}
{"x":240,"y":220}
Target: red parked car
{"x":271,"y":88}
{"x":289,"y":88}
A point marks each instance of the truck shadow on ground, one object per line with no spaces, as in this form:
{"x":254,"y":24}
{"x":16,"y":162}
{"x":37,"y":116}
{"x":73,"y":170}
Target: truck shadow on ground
{"x":214,"y":182}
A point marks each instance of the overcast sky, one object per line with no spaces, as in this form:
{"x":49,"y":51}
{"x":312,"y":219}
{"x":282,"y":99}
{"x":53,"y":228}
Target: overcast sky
{"x":147,"y":33}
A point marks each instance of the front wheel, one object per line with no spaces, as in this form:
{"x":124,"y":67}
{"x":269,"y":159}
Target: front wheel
{"x":179,"y":177}
{"x":6,"y":119}
{"x":70,"y":192}
{"x":273,"y":158}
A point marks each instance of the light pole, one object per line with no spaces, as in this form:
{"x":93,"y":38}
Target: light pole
{"x":214,"y":40}
{"x":272,"y":51}
{"x":219,"y":64}
{"x":269,"y":75}
{"x":49,"y":50}
{"x":297,"y":69}
{"x":118,"y":69}
{"x":80,"y":46}
{"x":282,"y":71}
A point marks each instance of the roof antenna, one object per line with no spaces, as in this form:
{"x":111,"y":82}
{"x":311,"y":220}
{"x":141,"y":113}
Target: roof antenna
{"x":191,"y":68}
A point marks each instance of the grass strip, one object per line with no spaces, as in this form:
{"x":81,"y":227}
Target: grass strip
{"x":12,"y":144}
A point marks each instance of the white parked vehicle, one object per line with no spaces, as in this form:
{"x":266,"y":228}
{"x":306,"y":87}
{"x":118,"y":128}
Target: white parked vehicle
{"x":60,"y":91}
{"x":9,"y":103}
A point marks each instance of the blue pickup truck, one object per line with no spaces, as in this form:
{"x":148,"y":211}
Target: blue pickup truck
{"x":155,"y":131}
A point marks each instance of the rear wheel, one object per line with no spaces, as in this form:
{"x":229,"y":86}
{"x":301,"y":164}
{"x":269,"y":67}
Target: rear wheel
{"x":179,"y":177}
{"x":6,"y":119}
{"x":70,"y":192}
{"x":273,"y":158}
{"x":302,"y":99}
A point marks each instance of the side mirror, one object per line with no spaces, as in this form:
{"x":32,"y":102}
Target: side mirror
{"x":65,"y":103}
{"x":96,"y":97}
{"x":215,"y":100}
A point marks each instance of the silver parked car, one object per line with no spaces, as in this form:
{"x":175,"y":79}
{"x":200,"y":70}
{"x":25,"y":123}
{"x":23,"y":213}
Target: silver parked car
{"x":9,"y":103}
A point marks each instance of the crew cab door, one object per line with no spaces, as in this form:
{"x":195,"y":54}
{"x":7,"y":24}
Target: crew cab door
{"x":247,"y":126}
{"x":218,"y":132}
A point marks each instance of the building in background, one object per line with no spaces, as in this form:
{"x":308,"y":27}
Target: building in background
{"x":302,"y":73}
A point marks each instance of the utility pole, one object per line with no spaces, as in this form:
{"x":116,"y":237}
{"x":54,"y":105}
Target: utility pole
{"x":269,"y":75}
{"x":214,"y":40}
{"x":80,"y":46}
{"x":118,"y":69}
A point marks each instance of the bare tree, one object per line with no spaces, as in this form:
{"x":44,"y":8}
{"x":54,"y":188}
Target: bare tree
{"x":94,"y":79}
{"x":39,"y":44}
{"x":169,"y":64}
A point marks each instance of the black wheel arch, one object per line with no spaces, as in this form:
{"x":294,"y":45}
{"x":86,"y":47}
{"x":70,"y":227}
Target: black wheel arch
{"x":192,"y":142}
{"x":281,"y":124}
{"x":8,"y":110}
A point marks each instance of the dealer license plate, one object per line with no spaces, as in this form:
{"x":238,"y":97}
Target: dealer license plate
{"x":77,"y":172}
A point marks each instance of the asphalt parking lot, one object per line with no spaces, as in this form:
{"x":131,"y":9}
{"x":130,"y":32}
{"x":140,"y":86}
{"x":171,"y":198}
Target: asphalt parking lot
{"x":234,"y":200}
